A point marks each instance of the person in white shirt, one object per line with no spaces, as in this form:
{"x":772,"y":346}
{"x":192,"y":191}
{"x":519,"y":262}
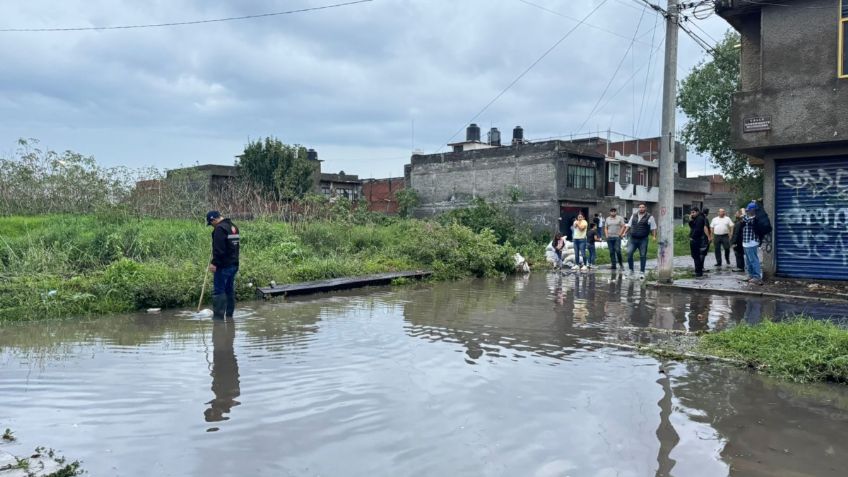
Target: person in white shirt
{"x":722,"y":228}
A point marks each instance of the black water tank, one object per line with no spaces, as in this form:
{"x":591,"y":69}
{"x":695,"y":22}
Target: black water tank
{"x":472,"y":133}
{"x":518,"y":135}
{"x":494,"y":137}
{"x":312,"y":155}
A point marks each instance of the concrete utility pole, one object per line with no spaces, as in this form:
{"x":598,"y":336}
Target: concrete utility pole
{"x":667,"y":151}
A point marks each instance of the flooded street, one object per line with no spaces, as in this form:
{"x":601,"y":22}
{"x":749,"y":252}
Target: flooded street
{"x":496,"y":378}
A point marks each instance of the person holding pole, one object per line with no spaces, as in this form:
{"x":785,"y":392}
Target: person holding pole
{"x":224,"y":264}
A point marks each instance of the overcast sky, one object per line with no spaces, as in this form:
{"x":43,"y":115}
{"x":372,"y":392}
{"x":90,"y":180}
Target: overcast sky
{"x":347,"y":81}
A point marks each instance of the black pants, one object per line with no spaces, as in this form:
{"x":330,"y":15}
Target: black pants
{"x":722,"y":241}
{"x":697,"y":256}
{"x":740,"y":256}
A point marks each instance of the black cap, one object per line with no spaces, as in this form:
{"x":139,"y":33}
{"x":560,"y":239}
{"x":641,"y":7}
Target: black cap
{"x":212,"y":215}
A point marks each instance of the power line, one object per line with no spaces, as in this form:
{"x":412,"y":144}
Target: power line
{"x":192,"y":22}
{"x":612,"y":78}
{"x":523,"y":73}
{"x":647,"y":76}
{"x":554,"y":12}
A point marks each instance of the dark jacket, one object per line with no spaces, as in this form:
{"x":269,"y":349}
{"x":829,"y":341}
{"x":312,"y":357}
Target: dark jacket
{"x":737,"y":232}
{"x":225,"y":244}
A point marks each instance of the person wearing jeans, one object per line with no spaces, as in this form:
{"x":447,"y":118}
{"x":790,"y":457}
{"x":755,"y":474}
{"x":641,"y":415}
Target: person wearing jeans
{"x":751,"y":244}
{"x":581,"y":227}
{"x":224,"y":264}
{"x":641,"y":226}
{"x":613,"y":230}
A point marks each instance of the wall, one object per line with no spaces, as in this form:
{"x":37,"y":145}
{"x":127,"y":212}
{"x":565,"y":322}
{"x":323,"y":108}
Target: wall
{"x":381,"y":194}
{"x":796,"y":83}
{"x":536,"y":171}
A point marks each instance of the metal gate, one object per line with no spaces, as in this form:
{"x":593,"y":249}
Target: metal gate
{"x":811,"y":223}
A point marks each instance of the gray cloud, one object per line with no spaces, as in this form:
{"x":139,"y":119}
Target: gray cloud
{"x":347,"y":81}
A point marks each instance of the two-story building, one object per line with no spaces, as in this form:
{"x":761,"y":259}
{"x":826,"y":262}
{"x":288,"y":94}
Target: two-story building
{"x":632,"y":176}
{"x":546,"y":183}
{"x":791,"y":117}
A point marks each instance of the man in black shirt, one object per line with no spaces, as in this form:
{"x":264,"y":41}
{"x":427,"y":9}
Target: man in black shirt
{"x":225,"y":264}
{"x":699,"y":236}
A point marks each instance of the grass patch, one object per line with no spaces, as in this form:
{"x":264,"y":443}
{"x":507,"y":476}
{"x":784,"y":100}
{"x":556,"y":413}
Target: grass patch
{"x":72,"y":265}
{"x":800,"y":349}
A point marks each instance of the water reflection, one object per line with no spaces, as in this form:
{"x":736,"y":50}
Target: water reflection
{"x":479,"y":377}
{"x":224,"y":372}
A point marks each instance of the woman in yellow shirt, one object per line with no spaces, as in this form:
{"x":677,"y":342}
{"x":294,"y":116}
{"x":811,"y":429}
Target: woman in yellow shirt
{"x":580,"y":229}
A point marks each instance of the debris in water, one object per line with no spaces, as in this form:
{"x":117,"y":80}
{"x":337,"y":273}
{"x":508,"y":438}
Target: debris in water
{"x":154,"y":310}
{"x":203,"y":312}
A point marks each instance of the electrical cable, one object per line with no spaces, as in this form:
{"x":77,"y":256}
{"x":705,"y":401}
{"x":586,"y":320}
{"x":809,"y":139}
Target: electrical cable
{"x":554,"y":12}
{"x":527,"y":70}
{"x":612,"y":78}
{"x":647,"y":76}
{"x":192,"y":22}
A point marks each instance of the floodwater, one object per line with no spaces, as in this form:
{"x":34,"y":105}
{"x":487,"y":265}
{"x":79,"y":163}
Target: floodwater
{"x":485,"y":377}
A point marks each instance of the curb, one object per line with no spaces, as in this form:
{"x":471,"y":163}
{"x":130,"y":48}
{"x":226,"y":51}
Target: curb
{"x":751,"y":293}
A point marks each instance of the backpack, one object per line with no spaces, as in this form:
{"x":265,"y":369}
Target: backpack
{"x":762,"y":224}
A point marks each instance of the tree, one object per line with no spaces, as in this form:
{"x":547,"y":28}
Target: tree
{"x":705,"y":97}
{"x":277,"y":168}
{"x":407,"y":200}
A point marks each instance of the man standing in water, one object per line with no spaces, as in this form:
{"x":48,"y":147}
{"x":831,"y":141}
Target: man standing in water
{"x":641,"y":226}
{"x":613,"y":230}
{"x":722,"y":228}
{"x":225,"y":264}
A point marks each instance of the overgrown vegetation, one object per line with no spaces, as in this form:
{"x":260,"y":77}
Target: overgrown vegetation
{"x":61,"y":265}
{"x":801,"y":349}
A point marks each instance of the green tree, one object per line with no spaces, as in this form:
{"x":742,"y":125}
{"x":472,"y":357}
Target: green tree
{"x":705,"y":97}
{"x":407,"y":200}
{"x":277,"y":168}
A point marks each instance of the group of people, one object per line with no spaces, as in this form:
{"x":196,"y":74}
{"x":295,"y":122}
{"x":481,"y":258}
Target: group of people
{"x":744,"y":235}
{"x":612,"y":229}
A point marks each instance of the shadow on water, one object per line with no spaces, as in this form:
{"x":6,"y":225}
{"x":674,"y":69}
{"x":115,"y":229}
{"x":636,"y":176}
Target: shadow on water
{"x":477,"y":377}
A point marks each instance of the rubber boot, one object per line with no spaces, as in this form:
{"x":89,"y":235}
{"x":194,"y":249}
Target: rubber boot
{"x":219,"y":304}
{"x":231,"y":305}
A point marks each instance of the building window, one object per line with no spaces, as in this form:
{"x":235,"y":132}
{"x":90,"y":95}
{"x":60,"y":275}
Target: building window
{"x":613,"y":173}
{"x":678,"y":213}
{"x":581,"y":177}
{"x":628,"y":174}
{"x":843,"y":41}
{"x":641,"y":176}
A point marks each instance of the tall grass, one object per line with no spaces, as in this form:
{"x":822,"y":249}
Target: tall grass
{"x":801,"y":349}
{"x":63,"y":265}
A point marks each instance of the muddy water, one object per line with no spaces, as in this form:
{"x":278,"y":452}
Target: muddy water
{"x":467,"y":378}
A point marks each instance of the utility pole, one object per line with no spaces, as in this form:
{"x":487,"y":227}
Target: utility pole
{"x":665,"y":224}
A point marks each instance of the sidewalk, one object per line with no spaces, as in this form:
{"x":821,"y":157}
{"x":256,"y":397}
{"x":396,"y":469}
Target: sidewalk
{"x":725,"y":280}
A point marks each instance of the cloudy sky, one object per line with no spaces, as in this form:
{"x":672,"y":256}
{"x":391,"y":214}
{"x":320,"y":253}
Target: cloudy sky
{"x":348,"y":81}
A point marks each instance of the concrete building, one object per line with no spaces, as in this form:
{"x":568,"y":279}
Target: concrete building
{"x":721,"y":195}
{"x":381,"y":194}
{"x":340,"y":185}
{"x":791,"y":117}
{"x":541,"y":182}
{"x":632,"y":176}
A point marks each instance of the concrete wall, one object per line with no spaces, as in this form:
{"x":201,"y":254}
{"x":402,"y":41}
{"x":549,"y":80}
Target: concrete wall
{"x":789,"y":72}
{"x":536,"y":171}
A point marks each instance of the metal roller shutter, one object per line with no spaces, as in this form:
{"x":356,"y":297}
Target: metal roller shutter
{"x":811,"y":227}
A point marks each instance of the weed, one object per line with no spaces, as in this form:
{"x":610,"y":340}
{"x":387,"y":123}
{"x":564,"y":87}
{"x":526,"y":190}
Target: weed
{"x":800,"y":349}
{"x":9,"y":436}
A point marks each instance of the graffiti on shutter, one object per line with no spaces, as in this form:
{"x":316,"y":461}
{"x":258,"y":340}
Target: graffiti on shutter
{"x":811,"y":227}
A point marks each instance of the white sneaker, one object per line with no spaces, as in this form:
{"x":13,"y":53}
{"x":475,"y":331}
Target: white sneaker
{"x":583,"y":267}
{"x":576,"y":267}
